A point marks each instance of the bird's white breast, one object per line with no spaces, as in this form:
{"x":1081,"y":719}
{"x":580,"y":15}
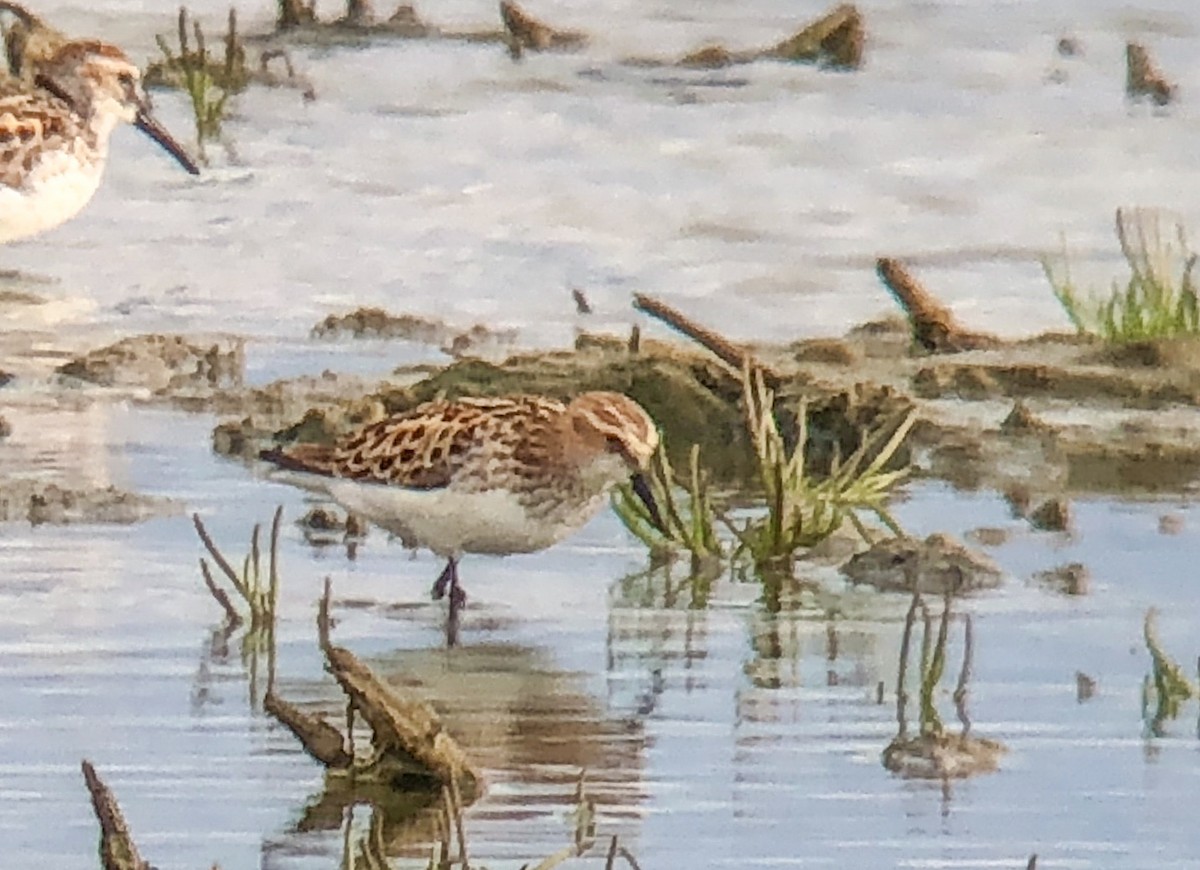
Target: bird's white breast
{"x":60,"y":185}
{"x":450,"y":521}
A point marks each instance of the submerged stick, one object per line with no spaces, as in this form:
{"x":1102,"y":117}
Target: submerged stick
{"x":232,"y":618}
{"x":221,"y":561}
{"x":405,"y":728}
{"x":407,"y":735}
{"x":273,"y":569}
{"x":964,"y":676}
{"x":320,"y":739}
{"x":933,"y":326}
{"x":1143,"y":77}
{"x":725,"y":350}
{"x":526,"y":32}
{"x":117,"y":849}
{"x":902,"y":671}
{"x":838,"y":38}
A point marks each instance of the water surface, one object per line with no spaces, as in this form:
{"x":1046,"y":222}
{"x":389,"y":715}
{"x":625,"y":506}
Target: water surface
{"x":443,"y":179}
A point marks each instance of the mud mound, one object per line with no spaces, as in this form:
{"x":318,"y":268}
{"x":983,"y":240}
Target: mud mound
{"x":695,"y":399}
{"x":160,"y":363}
{"x":39,"y":502}
{"x":377,"y":323}
{"x":935,"y":566}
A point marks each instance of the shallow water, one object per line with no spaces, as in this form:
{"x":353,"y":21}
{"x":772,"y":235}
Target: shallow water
{"x":443,"y":179}
{"x":723,"y":737}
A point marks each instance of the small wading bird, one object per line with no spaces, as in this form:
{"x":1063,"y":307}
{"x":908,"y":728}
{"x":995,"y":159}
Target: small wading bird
{"x":498,"y":476}
{"x":54,"y":135}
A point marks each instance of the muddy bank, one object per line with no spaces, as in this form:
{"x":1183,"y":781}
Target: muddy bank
{"x":1039,"y":419}
{"x":694,"y":397}
{"x":38,"y":502}
{"x":475,"y":340}
{"x":165,"y":364}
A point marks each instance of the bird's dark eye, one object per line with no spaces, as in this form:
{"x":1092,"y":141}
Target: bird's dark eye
{"x":615,"y":444}
{"x":125,"y":80}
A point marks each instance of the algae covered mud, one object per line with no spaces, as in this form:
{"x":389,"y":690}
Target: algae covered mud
{"x":606,"y":704}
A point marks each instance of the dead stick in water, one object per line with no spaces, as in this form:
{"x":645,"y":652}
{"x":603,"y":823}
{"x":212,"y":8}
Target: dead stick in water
{"x":933,"y":326}
{"x":725,"y":350}
{"x":117,"y":849}
{"x":232,"y":617}
{"x":221,"y":561}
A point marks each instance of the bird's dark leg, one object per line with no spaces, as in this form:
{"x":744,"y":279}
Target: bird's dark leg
{"x":447,"y":579}
{"x":456,"y":602}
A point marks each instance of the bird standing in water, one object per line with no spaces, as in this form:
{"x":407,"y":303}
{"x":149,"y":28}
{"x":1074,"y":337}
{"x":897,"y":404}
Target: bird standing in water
{"x":498,"y":476}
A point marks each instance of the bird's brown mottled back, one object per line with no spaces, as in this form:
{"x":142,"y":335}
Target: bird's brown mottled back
{"x":35,"y":122}
{"x":425,"y":448}
{"x":28,"y":128}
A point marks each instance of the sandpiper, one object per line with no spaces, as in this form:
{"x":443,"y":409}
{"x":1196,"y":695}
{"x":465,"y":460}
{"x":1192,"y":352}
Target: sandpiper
{"x":54,"y":136}
{"x":499,"y":476}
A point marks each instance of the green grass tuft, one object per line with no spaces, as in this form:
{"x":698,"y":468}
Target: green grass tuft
{"x":803,"y":510}
{"x":1157,"y":300}
{"x":209,"y":82}
{"x":1166,"y":688}
{"x":686,"y":508}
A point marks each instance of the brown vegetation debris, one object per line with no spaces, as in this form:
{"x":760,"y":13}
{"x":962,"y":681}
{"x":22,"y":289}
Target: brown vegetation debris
{"x":938,"y":565}
{"x":323,"y":526}
{"x":989,"y":536}
{"x":835,"y":40}
{"x":1085,"y":687}
{"x":732,"y":355}
{"x":297,"y":21}
{"x":715,"y":57}
{"x":321,"y":519}
{"x":370,"y":322}
{"x":933,"y":326}
{"x":1171,"y":524}
{"x":1178,"y":354}
{"x":117,"y":849}
{"x":827,"y":351}
{"x":1137,"y":465}
{"x":411,"y":749}
{"x":1022,"y":421}
{"x":1052,"y":515}
{"x":1070,"y":579}
{"x":1143,"y":79}
{"x":1068,"y":46}
{"x":295,"y":13}
{"x":942,"y":756}
{"x":526,"y":33}
{"x":1012,"y":378}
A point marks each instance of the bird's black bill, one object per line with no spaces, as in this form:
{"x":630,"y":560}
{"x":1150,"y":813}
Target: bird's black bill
{"x":146,"y":123}
{"x":641,"y":488}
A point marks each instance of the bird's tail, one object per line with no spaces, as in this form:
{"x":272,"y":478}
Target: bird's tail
{"x":308,"y":458}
